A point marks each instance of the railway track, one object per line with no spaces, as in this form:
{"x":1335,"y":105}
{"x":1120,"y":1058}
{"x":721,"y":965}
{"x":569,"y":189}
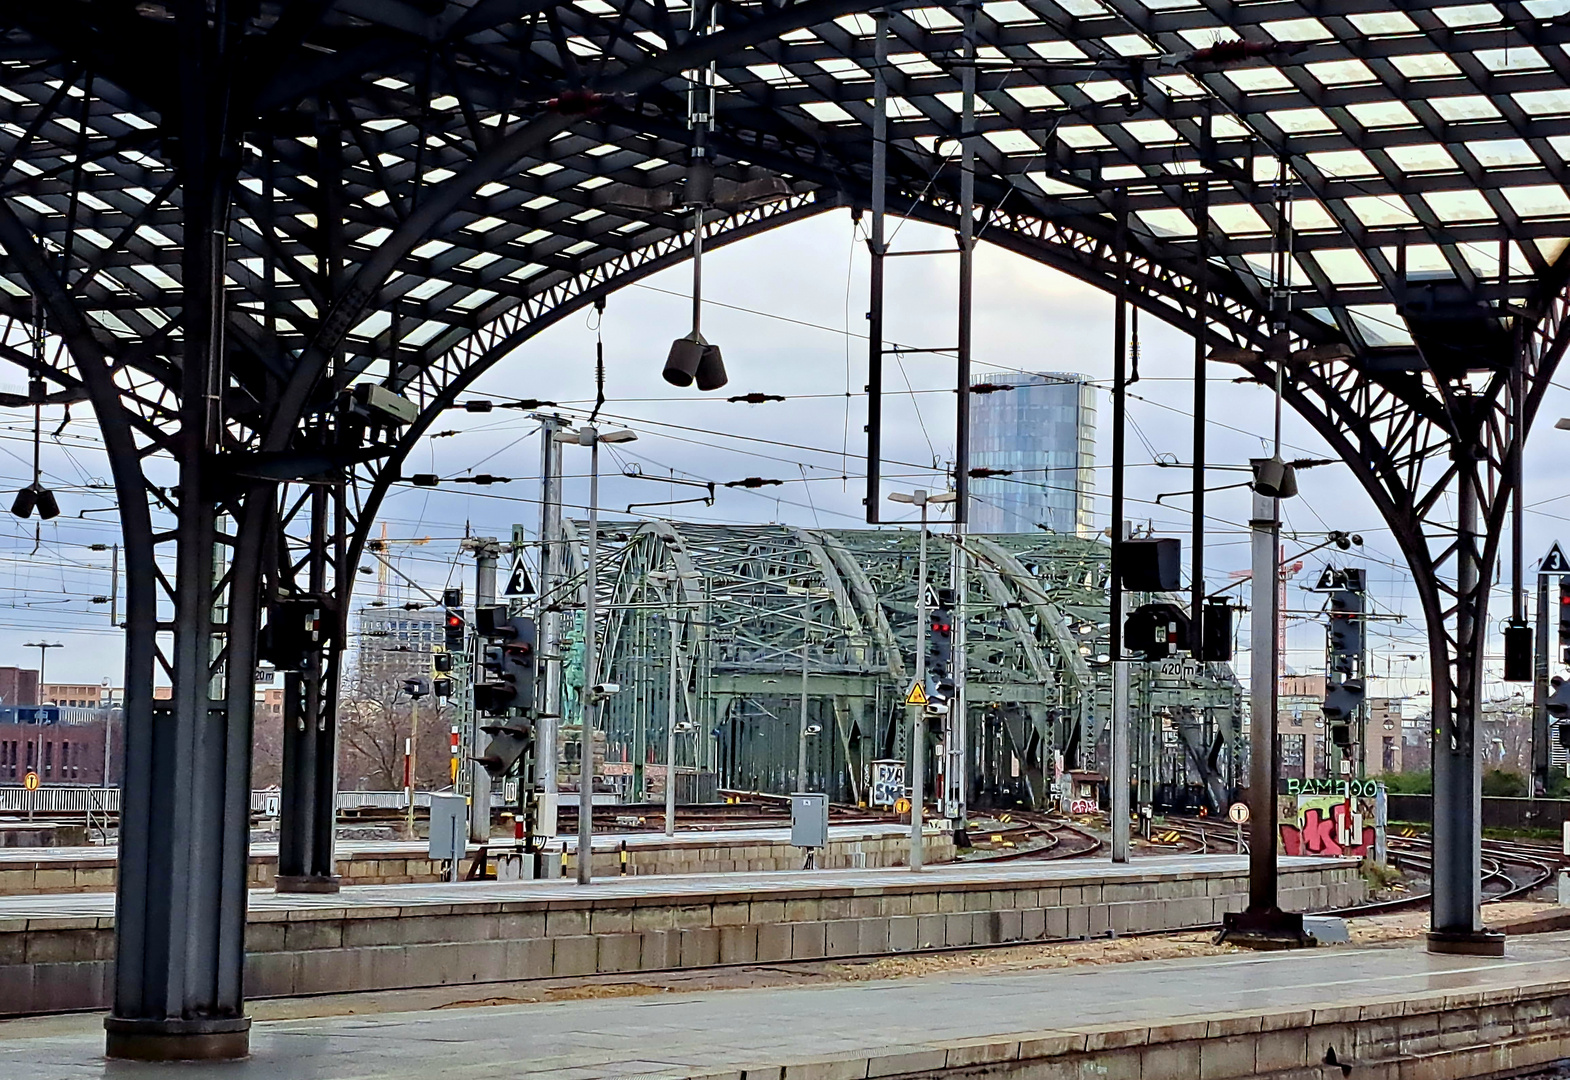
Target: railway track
{"x":1021,"y":834}
{"x":1510,"y":868}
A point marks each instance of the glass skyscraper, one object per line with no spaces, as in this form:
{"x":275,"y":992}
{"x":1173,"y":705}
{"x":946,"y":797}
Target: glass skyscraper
{"x":1044,"y":432}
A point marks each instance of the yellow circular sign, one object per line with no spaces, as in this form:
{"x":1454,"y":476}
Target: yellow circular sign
{"x":902,"y":806}
{"x":30,"y":781}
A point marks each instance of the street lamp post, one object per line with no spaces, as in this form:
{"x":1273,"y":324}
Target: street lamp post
{"x":918,"y":733}
{"x":593,"y":692}
{"x":43,"y":648}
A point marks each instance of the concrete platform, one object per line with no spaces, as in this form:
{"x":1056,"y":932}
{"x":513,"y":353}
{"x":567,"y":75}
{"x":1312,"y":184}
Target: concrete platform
{"x":26,"y":871}
{"x":1393,"y":1013}
{"x":56,"y":952}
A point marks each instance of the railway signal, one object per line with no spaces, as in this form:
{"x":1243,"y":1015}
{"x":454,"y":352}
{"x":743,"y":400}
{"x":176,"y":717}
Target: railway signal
{"x":1345,"y":688}
{"x":940,"y":647}
{"x":508,"y":660}
{"x":1564,"y":619}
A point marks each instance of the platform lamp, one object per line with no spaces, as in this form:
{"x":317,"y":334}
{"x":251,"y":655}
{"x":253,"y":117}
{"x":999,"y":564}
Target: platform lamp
{"x":920,"y":499}
{"x":594,"y":692}
{"x":43,"y":648}
{"x":693,"y":359}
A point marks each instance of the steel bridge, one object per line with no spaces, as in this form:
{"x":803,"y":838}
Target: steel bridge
{"x":221,"y":216}
{"x":1035,"y":652}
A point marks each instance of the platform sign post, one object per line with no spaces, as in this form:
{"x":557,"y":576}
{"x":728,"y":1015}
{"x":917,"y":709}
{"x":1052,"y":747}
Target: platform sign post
{"x":1238,"y":812}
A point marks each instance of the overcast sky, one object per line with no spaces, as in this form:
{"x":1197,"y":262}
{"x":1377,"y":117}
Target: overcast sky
{"x":788,"y":310}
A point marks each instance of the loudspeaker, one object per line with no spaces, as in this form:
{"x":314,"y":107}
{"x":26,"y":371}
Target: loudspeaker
{"x":711,"y":369}
{"x":1274,"y":478}
{"x":685,"y":356}
{"x":1149,"y":564}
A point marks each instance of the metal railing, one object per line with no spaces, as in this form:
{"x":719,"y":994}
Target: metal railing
{"x":78,"y":799}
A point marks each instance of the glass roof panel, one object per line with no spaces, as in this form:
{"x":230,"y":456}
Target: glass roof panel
{"x":1297,"y":30}
{"x":1239,"y":219}
{"x":1460,"y":205}
{"x":1469,"y":15}
{"x":1377,"y":210}
{"x":1341,"y":72}
{"x":1502,"y":153}
{"x":1538,"y":200}
{"x":1425,"y":157}
{"x":1382,"y":114}
{"x":1344,"y":266}
{"x":1464,"y":108}
{"x":1425,"y":66}
{"x":1379,"y":325}
{"x":1382,"y":23}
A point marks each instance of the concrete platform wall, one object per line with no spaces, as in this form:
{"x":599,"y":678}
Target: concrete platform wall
{"x":688,"y":855}
{"x":1445,"y":1036}
{"x":58,"y":964}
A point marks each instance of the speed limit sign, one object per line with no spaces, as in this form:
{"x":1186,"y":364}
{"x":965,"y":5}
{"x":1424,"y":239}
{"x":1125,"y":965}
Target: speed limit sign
{"x":30,"y":781}
{"x":1238,"y":812}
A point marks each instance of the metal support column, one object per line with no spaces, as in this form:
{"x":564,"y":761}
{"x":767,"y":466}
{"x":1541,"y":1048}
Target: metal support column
{"x":967,"y":244}
{"x":309,"y":802}
{"x":1542,"y":731}
{"x":875,"y":247}
{"x":549,"y":622}
{"x":1118,"y":772}
{"x":1266,"y":530}
{"x":918,"y":718}
{"x":486,"y":551}
{"x":180,"y":899}
{"x":673,"y":624}
{"x":1457,"y":925}
{"x":588,"y":703}
{"x":959,"y":709}
{"x":1263,"y":923}
{"x":801,"y":727}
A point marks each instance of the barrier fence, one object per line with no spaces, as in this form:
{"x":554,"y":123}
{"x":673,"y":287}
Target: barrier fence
{"x":76,"y":799}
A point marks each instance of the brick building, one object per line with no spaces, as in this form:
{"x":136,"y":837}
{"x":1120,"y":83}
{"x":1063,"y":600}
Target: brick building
{"x":64,"y":745}
{"x":18,"y":686}
{"x":77,"y":695}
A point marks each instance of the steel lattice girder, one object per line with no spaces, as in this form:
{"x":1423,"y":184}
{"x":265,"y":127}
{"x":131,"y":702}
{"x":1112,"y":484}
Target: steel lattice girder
{"x":402,"y":204}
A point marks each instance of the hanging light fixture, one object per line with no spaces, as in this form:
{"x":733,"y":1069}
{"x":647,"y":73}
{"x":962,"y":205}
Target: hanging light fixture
{"x":693,"y":359}
{"x":35,"y":496}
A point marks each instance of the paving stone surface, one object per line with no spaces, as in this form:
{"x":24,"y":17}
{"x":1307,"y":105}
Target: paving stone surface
{"x":861,"y":1029}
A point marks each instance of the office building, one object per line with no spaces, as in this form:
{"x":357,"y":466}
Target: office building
{"x":1043,"y":431}
{"x":394,"y":645}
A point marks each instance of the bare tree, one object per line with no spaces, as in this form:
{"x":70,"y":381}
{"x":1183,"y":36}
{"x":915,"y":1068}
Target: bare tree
{"x":374,"y":723}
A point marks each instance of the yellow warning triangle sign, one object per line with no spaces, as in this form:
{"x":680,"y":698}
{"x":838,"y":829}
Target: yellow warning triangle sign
{"x":917,"y":695}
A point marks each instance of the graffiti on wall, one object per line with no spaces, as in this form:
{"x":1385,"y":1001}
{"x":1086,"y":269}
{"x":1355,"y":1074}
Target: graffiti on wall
{"x":1326,"y":824}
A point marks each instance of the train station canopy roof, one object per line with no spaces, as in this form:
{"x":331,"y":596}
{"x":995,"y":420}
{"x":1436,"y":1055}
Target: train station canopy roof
{"x":425,"y":183}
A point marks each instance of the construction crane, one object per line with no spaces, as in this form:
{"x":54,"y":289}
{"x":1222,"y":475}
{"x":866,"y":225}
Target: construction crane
{"x":379,"y":546}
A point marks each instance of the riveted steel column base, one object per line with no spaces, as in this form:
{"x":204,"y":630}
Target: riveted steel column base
{"x":1467,"y":942}
{"x":225,"y":1039}
{"x":307,"y":883}
{"x":1265,"y":929}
